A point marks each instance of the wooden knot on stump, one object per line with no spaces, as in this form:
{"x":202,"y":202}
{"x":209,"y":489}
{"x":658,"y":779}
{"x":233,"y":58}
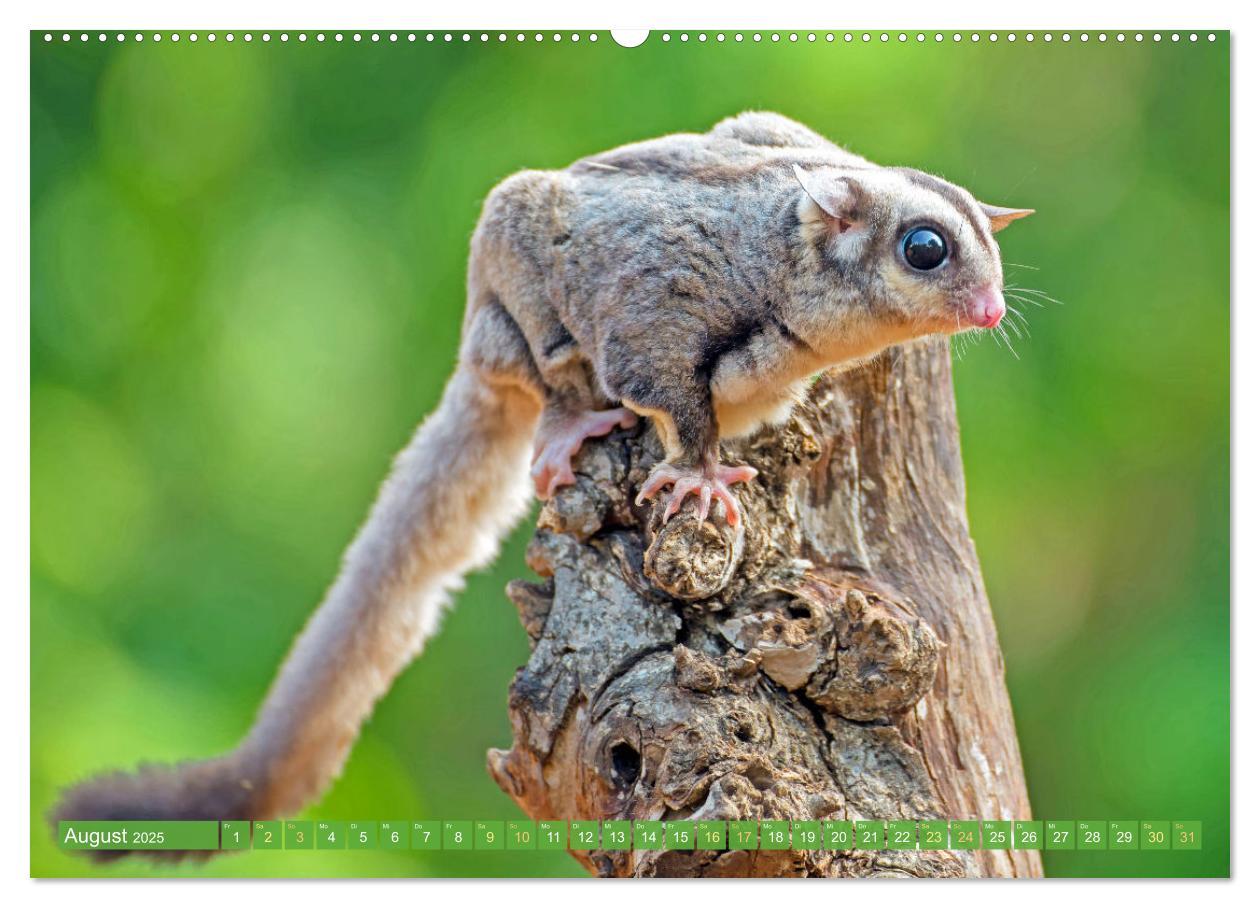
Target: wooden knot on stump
{"x":854,"y":653}
{"x":689,"y":559}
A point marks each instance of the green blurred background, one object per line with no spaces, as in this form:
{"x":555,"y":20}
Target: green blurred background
{"x":247,"y":282}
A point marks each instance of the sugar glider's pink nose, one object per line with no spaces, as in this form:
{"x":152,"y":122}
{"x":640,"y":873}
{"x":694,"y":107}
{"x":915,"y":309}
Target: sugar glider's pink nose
{"x":986,"y":307}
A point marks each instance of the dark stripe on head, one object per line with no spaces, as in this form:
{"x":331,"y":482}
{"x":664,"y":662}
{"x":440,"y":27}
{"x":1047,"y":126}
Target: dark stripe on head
{"x":952,"y":194}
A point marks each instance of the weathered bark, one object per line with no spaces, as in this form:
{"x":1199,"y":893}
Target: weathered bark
{"x":834,"y":659}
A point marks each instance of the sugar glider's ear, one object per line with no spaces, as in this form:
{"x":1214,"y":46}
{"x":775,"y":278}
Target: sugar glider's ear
{"x":1000,"y":217}
{"x":838,"y":199}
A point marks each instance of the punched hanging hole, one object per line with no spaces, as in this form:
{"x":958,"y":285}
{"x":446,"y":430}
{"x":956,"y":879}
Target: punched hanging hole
{"x":630,"y":37}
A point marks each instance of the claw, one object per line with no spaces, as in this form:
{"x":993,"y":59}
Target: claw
{"x":555,"y":448}
{"x":707,"y":483}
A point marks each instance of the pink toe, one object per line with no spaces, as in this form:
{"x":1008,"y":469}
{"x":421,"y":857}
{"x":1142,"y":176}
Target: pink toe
{"x":648,"y":489}
{"x":559,"y":479}
{"x":682,"y":488}
{"x":655,"y":482}
{"x":730,"y":506}
{"x":706,"y":501}
{"x":731,"y":475}
{"x":539,"y":474}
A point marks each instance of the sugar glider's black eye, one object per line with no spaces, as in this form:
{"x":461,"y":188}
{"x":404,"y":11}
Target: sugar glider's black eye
{"x":924,"y":248}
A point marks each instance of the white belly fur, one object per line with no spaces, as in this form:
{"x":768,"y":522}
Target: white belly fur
{"x":760,"y":387}
{"x":737,"y":418}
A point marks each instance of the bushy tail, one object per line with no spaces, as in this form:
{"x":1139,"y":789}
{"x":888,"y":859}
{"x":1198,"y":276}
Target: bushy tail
{"x":454,"y":491}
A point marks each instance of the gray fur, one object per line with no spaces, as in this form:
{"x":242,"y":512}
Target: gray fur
{"x":675,"y":262}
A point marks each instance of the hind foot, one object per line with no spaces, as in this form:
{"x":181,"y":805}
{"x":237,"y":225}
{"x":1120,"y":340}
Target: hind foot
{"x":558,"y":440}
{"x":708,"y":482}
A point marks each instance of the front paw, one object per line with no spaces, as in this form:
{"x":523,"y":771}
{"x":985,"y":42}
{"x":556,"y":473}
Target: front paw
{"x":707,"y":483}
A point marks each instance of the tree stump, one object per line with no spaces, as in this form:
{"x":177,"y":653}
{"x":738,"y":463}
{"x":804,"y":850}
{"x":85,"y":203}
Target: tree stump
{"x":835,"y":658}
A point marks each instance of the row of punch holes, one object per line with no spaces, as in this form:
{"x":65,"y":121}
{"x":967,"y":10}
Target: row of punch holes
{"x":633,"y":39}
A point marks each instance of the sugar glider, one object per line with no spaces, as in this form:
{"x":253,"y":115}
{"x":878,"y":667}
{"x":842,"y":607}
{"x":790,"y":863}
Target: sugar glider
{"x":695,"y":280}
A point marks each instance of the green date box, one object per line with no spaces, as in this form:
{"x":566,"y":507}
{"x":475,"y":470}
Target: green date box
{"x":964,"y":835}
{"x":618,"y":835}
{"x":268,"y":835}
{"x":869,"y":834}
{"x":362,"y":835}
{"x":457,"y":835}
{"x":1155,"y":835}
{"x":234,"y":835}
{"x":1060,"y":835}
{"x":553,"y":835}
{"x":1029,"y":835}
{"x":330,"y":835}
{"x":837,"y":835}
{"x":488,"y":835}
{"x":1122,"y":835}
{"x":680,"y":835}
{"x":649,"y":835}
{"x":934,"y":835}
{"x":1187,"y":835}
{"x":807,"y":835}
{"x":741,"y":835}
{"x":711,"y":835}
{"x":520,"y":835}
{"x":426,"y":835}
{"x":776,"y":835}
{"x":1091,"y":835}
{"x":299,"y":835}
{"x":903,"y":835}
{"x":394,"y":835}
{"x":583,"y":835}
{"x":995,"y":835}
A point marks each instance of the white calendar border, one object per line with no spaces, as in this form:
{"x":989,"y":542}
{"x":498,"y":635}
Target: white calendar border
{"x":661,"y":14}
